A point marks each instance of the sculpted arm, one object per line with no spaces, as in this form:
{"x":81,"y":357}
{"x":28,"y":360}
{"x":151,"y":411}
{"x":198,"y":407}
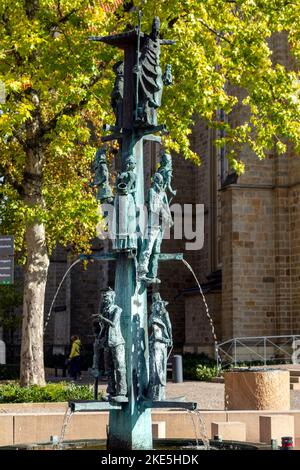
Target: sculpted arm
{"x":106,"y":320}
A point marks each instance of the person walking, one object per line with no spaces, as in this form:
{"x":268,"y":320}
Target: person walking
{"x":74,"y":358}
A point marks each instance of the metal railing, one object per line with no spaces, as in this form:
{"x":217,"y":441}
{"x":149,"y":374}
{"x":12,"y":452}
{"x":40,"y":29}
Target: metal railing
{"x":259,"y":348}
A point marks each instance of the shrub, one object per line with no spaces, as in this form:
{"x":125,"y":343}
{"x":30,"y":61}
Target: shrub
{"x":205,"y":373}
{"x":13,"y":393}
{"x":199,"y":367}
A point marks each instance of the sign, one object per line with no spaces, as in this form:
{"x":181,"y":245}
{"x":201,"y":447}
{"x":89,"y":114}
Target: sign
{"x":6,"y":246}
{"x":6,"y":259}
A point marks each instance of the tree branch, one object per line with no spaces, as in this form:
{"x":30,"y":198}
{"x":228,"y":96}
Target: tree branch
{"x":17,"y":134}
{"x":71,"y":109}
{"x":31,"y":8}
{"x":62,"y":19}
{"x":7,"y":177}
{"x":34,"y":125}
{"x":5,"y":22}
{"x":219,"y":35}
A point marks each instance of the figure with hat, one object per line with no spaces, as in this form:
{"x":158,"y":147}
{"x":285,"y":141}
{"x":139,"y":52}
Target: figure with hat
{"x":159,"y":341}
{"x":101,"y":178}
{"x":166,"y":171}
{"x":112,"y":340}
{"x":99,"y":366}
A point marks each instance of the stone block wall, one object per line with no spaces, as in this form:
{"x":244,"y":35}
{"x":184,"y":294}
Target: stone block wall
{"x":198,"y":332}
{"x":249,"y":268}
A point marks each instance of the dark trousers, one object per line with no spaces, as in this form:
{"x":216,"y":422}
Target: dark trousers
{"x":74,"y":370}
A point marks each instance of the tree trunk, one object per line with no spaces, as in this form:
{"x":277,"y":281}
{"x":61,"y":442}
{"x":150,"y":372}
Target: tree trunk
{"x":36,"y":270}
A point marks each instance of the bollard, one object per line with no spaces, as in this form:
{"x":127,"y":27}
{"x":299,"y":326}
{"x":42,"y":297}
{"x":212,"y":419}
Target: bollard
{"x":54,"y":440}
{"x":96,"y":388}
{"x":274,"y":444}
{"x":287,"y":443}
{"x":2,"y":350}
{"x":177,"y":374}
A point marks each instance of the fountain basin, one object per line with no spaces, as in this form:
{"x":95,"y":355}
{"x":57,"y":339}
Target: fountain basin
{"x":158,"y":444}
{"x":35,"y":422}
{"x":100,"y":405}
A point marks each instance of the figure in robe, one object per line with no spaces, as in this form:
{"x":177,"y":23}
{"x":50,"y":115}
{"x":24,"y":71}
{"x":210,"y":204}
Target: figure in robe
{"x":124,"y":217}
{"x":166,"y":170}
{"x":159,"y":341}
{"x":101,"y":178}
{"x":150,"y":78}
{"x":118,"y":93}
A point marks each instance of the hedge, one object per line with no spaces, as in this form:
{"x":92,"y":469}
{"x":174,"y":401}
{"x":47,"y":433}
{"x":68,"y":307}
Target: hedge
{"x":52,"y":392}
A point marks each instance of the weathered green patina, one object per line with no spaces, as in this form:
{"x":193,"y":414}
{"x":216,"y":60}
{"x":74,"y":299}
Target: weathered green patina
{"x":159,"y":342}
{"x":101,"y":179}
{"x":135,"y":99}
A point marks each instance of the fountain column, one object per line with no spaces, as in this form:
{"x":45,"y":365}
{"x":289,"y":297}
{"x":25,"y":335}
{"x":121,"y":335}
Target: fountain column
{"x":135,"y":99}
{"x":130,"y":427}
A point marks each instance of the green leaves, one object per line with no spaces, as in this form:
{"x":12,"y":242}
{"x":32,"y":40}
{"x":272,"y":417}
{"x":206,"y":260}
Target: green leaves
{"x":227,"y":56}
{"x":50,"y":53}
{"x":227,"y":51}
{"x":13,"y":393}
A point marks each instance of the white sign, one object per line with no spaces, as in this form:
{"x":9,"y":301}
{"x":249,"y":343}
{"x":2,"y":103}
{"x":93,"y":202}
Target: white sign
{"x":2,"y":352}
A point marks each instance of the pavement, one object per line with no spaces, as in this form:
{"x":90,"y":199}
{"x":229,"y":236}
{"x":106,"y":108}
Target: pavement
{"x":208,"y":395}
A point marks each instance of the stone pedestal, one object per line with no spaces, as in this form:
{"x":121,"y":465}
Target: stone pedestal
{"x":158,"y":429}
{"x":257,"y":389}
{"x":275,"y":427}
{"x":229,"y":430}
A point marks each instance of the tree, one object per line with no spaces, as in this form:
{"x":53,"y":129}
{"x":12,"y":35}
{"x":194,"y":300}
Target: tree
{"x":57,"y":95}
{"x":49,"y":74}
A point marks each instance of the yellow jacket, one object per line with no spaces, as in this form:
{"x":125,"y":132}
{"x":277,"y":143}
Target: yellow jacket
{"x":75,"y":351}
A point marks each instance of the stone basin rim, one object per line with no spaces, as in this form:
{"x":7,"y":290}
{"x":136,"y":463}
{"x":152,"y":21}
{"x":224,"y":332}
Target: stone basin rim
{"x":256,"y":369}
{"x":84,"y":444}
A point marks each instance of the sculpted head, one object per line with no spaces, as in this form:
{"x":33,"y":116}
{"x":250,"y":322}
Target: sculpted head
{"x":155,"y":28}
{"x":165,"y":158}
{"x":130,"y":163}
{"x":108,"y":297}
{"x":100,"y":157}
